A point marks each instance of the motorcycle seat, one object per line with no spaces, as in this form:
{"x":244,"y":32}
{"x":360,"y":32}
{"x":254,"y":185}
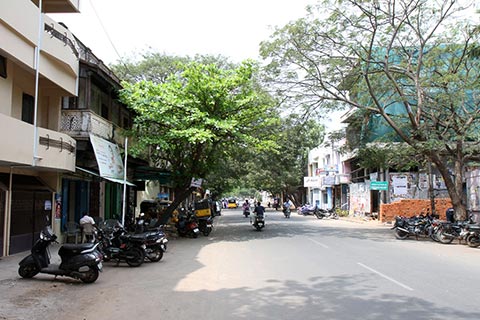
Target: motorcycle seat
{"x":72,"y":249}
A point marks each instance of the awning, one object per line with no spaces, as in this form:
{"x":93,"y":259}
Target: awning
{"x":143,"y":173}
{"x":106,"y":178}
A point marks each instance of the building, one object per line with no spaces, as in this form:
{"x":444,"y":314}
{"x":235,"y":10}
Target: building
{"x":328,"y":177}
{"x":38,"y":66}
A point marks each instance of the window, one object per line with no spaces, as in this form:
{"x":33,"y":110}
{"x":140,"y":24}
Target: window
{"x":104,"y":111}
{"x":3,"y":67}
{"x":27,"y":108}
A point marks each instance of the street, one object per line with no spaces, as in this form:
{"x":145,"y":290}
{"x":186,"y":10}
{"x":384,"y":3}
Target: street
{"x":298,"y":268}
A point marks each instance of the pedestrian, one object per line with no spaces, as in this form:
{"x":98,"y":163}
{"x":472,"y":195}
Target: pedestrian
{"x":87,"y":225}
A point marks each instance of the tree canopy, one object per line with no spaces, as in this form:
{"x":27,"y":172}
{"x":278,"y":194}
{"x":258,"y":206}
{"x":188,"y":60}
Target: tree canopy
{"x":412,"y":63}
{"x":197,"y":116}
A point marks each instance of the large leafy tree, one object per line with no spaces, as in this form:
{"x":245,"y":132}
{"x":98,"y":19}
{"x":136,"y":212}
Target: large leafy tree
{"x":413,"y":63}
{"x":282,"y":172}
{"x":195,"y":117}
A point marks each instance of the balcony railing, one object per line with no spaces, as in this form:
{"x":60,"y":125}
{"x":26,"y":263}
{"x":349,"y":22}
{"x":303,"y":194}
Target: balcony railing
{"x":80,"y":123}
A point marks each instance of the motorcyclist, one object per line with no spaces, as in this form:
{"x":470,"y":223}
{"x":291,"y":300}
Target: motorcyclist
{"x":259,"y":210}
{"x":246,"y":208}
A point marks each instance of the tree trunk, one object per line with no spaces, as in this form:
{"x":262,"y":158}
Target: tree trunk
{"x":454,"y":185}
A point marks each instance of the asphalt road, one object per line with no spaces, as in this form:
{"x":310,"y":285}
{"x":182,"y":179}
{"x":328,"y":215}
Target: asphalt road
{"x":301,"y":268}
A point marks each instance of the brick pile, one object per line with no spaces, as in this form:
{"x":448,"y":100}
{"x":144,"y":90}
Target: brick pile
{"x":412,"y":207}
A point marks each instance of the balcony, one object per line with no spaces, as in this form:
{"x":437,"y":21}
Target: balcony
{"x":80,"y":123}
{"x":19,"y":34}
{"x":55,"y":150}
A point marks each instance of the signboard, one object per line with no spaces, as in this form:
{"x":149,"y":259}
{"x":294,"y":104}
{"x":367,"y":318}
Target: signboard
{"x":196,"y":183}
{"x":109,"y":161}
{"x":379,"y":185}
{"x":312,"y":182}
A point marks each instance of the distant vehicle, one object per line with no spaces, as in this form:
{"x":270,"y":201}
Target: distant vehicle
{"x":232,"y":203}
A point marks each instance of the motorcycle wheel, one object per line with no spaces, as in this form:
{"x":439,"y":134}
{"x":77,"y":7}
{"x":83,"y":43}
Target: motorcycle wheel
{"x":194,"y":235}
{"x":259,"y":228}
{"x":442,"y":237}
{"x":28,"y":270}
{"x":90,"y":276}
{"x":473,"y":240}
{"x":206,"y":232}
{"x":319,"y":216}
{"x":400,"y":234}
{"x":156,"y":255}
{"x":136,"y":257}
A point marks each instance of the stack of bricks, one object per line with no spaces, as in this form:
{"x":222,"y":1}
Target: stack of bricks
{"x":412,"y":207}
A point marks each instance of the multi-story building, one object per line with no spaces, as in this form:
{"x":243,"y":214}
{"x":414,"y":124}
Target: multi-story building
{"x":328,"y":177}
{"x":38,"y":66}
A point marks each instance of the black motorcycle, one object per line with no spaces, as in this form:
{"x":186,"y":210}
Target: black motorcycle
{"x":155,"y":242}
{"x":325,"y":213}
{"x":78,"y":261}
{"x":205,"y":225}
{"x":117,"y":245}
{"x":418,"y":226}
{"x":258,"y":221}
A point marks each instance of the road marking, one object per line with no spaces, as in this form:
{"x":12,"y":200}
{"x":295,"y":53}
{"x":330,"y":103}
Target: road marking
{"x":385,"y":276}
{"x":319,"y":243}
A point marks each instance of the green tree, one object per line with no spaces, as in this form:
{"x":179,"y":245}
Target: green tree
{"x":282,"y":172}
{"x":413,"y":63}
{"x":195,"y":117}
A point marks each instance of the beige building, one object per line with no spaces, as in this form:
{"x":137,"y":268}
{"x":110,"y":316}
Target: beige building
{"x":38,"y":66}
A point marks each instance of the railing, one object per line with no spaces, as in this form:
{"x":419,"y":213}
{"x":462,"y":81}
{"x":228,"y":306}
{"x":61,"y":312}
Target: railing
{"x":80,"y":123}
{"x":62,"y":37}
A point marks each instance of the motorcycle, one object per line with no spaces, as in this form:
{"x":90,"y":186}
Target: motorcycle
{"x":325,"y":213}
{"x":258,"y":221}
{"x":246,"y":211}
{"x":448,"y":231}
{"x":119,"y":246}
{"x":307,"y":210}
{"x":187,"y":224}
{"x":286,"y":210}
{"x":423,"y":226}
{"x":473,"y":236}
{"x":155,"y":242}
{"x":205,"y":225}
{"x":78,"y":261}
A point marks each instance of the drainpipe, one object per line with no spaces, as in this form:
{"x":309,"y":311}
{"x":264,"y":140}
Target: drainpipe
{"x":125,"y":183}
{"x":37,"y":80}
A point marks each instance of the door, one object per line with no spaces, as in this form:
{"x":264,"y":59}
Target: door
{"x":29,"y":212}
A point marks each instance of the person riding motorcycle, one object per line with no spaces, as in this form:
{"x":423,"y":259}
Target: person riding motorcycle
{"x":246,"y":208}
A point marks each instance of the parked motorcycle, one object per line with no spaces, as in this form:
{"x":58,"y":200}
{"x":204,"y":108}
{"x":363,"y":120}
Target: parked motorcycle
{"x":307,"y":209}
{"x":258,"y":221}
{"x":155,"y":242}
{"x":418,"y":226}
{"x":119,"y":246}
{"x":473,"y":237}
{"x":326,"y":213}
{"x":205,"y":225}
{"x":449,"y":231}
{"x":79,"y":261}
{"x":187,"y":225}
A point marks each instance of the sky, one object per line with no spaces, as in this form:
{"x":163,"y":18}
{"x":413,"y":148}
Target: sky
{"x":114,"y":29}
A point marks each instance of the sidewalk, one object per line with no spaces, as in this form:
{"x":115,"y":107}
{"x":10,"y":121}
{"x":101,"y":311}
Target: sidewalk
{"x":9,"y":265}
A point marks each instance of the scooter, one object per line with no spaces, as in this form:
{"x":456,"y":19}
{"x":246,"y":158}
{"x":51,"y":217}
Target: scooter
{"x":187,"y":225}
{"x":246,"y":211}
{"x":78,"y":261}
{"x":258,"y":221}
